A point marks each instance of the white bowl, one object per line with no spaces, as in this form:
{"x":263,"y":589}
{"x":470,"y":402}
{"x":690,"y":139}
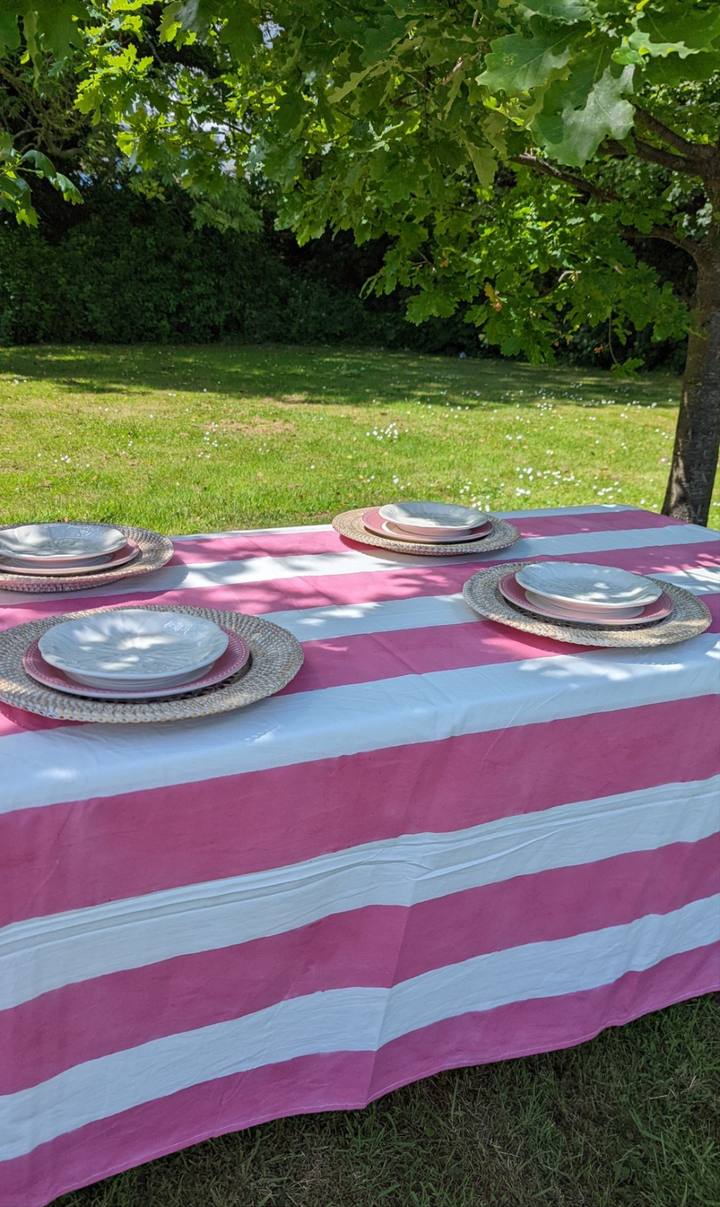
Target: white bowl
{"x":53,"y":543}
{"x":604,"y":588}
{"x":131,"y":644}
{"x":436,"y":519}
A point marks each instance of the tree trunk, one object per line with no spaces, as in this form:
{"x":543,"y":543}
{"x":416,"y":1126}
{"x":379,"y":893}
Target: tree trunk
{"x":697,"y":439}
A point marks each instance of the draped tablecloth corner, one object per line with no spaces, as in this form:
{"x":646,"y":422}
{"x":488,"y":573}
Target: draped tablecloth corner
{"x":445,"y":843}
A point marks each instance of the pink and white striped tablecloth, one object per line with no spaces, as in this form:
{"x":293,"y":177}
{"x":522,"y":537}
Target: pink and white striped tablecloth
{"x":444,"y":843}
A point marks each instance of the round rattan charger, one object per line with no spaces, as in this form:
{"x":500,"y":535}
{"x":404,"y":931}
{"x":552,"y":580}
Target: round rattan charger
{"x":689,"y":616}
{"x":275,"y":658}
{"x":154,"y":551}
{"x":501,"y":535}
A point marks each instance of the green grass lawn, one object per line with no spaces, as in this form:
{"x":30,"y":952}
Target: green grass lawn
{"x":202,"y":439}
{"x":188,"y":439}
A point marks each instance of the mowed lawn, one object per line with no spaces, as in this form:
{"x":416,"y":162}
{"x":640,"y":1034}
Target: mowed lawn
{"x":190,"y":439}
{"x":203,"y":439}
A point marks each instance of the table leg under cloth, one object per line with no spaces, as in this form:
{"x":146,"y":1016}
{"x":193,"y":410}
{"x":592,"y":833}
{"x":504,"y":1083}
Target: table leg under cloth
{"x":444,"y":844}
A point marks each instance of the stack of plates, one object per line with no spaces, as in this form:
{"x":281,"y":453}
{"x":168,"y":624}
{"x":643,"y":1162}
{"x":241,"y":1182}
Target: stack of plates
{"x":135,"y":653}
{"x":427,"y":523}
{"x":63,"y":550}
{"x":594,"y":595}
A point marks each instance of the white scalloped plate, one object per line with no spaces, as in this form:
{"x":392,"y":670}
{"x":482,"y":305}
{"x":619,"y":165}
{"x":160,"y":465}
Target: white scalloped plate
{"x":374,"y":523}
{"x":57,"y":542}
{"x":578,"y":584}
{"x":233,"y":660}
{"x":427,"y":519}
{"x":128,"y":644}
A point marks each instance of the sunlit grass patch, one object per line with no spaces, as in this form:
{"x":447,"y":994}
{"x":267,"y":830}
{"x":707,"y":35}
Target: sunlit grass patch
{"x":209,"y":438}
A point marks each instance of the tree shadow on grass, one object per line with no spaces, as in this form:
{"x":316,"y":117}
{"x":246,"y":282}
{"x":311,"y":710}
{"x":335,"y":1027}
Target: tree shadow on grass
{"x":319,"y":376}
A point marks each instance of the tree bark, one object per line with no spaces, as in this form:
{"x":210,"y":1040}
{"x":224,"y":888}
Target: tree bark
{"x":697,"y":438}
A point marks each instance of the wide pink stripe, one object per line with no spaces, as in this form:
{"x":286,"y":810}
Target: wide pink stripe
{"x":370,"y":656}
{"x":346,"y":1080}
{"x":238,"y":546}
{"x":545,"y":1024}
{"x":261,"y":597}
{"x":364,"y":657}
{"x":667,"y":560}
{"x":367,"y":657}
{"x":235,"y":546}
{"x":17,"y":720}
{"x":370,"y":946}
{"x":396,"y":583}
{"x":322,"y":668}
{"x":401,"y":582}
{"x":70,"y":855}
{"x":257,"y":598}
{"x":604,"y":521}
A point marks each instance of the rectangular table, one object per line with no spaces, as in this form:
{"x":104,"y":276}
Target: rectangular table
{"x":445,"y":843}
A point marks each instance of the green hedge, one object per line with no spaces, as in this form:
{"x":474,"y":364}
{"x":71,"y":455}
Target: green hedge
{"x":127,"y":271}
{"x":123,"y":269}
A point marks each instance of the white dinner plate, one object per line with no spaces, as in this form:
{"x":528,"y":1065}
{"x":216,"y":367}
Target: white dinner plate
{"x":576,"y":584}
{"x":424,"y":518}
{"x":59,"y":542}
{"x":131,"y":645}
{"x":69,"y":569}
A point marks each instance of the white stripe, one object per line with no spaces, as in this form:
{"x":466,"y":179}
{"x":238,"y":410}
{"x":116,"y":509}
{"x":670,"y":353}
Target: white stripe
{"x":76,"y":763}
{"x":344,"y":1020}
{"x":581,"y":509}
{"x":426,"y":611}
{"x":701,"y":580}
{"x":205,"y":575}
{"x":388,"y":616}
{"x":42,"y":954}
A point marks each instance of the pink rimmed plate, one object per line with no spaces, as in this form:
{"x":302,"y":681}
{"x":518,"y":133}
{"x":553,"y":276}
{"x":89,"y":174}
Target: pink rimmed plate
{"x":120,"y":557}
{"x":516,"y":595}
{"x":374,"y":522}
{"x":236,"y":656}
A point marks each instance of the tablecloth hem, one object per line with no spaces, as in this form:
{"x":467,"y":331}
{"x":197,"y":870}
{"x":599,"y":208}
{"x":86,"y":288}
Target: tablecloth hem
{"x":442,"y":1067}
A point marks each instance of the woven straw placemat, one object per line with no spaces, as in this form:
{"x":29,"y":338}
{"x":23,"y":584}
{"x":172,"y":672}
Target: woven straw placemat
{"x":155,"y":551}
{"x":689,"y":617}
{"x":275,"y":658}
{"x":501,"y":535}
